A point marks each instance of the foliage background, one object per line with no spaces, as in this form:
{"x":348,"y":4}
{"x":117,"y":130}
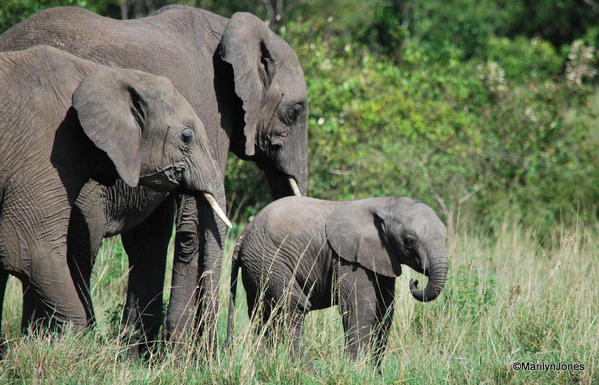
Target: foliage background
{"x":485,"y":106}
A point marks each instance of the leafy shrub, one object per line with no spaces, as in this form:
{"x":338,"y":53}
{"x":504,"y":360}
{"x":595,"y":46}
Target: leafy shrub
{"x":524,"y":58}
{"x":14,"y":11}
{"x":475,"y":134}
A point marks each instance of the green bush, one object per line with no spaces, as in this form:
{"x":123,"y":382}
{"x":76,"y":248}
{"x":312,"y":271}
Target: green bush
{"x":524,"y":58}
{"x":510,"y":130}
{"x":14,"y":11}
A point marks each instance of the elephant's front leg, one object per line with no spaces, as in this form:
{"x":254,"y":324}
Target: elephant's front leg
{"x":296,"y":325}
{"x":146,"y":246}
{"x":39,"y":255}
{"x":199,"y":244}
{"x":385,"y":292}
{"x":366,"y":306}
{"x":51,"y":289}
{"x":86,"y":231}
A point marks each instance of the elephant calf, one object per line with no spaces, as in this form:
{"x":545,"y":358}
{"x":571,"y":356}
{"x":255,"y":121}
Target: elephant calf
{"x":301,"y":254}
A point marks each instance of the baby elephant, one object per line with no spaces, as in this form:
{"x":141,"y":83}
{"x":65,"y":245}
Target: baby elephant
{"x":306,"y":254}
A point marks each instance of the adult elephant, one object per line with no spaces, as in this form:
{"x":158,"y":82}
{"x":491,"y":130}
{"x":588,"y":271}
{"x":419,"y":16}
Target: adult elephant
{"x":64,"y":120}
{"x":247,"y":87}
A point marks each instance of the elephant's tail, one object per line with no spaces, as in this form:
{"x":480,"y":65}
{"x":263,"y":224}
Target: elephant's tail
{"x":233,"y":290}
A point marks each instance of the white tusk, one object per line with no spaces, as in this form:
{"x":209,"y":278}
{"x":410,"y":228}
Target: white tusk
{"x":217,"y":209}
{"x":294,"y":187}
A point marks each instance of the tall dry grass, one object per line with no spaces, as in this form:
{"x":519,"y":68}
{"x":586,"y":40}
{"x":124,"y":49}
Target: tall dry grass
{"x":511,"y":296}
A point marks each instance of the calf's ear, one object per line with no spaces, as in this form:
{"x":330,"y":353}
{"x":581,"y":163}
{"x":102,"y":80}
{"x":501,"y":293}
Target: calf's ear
{"x":356,"y":233}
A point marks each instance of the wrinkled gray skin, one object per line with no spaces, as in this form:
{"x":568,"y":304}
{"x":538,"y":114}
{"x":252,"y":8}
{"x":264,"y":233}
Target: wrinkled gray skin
{"x":312,"y":254}
{"x":64,"y":120}
{"x":247,"y":87}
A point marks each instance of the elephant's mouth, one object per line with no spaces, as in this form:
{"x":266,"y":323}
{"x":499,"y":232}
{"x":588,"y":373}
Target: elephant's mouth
{"x":164,"y":178}
{"x":169,"y":179}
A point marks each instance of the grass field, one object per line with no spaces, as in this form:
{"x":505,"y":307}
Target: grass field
{"x":510,"y":297}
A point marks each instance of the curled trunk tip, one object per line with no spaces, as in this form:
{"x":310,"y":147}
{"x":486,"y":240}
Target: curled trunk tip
{"x":426,"y":295}
{"x":437,"y":275}
{"x":435,"y":285}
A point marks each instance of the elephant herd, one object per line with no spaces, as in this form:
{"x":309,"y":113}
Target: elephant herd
{"x":124,"y":127}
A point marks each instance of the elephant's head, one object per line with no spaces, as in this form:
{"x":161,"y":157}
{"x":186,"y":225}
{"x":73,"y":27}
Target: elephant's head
{"x":269,"y":81}
{"x":381,"y":234}
{"x":149,"y":132}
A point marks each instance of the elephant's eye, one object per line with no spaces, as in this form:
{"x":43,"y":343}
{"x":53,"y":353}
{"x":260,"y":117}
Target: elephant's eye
{"x":290,"y":114}
{"x":186,"y":136}
{"x":409,"y":241}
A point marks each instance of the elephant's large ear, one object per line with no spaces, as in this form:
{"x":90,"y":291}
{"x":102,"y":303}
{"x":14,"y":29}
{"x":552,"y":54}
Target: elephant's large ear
{"x":112,"y":113}
{"x":247,"y":44}
{"x":356,"y":233}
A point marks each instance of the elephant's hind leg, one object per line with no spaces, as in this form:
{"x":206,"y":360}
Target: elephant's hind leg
{"x":30,"y":304}
{"x":283,"y":310}
{"x":298,"y":343}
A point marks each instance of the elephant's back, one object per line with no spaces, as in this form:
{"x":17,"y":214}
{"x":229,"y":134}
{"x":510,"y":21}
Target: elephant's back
{"x":286,"y":242}
{"x":286,"y":226}
{"x":84,"y":34}
{"x":183,"y":17}
{"x":178,"y":43}
{"x":44,"y":63}
{"x":53,"y":26}
{"x":293,"y":214}
{"x":40,"y":80}
{"x":171,"y":38}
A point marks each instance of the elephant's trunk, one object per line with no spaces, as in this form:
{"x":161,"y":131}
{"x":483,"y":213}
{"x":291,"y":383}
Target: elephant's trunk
{"x":288,"y":174}
{"x":437,"y":274}
{"x":196,"y":271}
{"x":202,"y":176}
